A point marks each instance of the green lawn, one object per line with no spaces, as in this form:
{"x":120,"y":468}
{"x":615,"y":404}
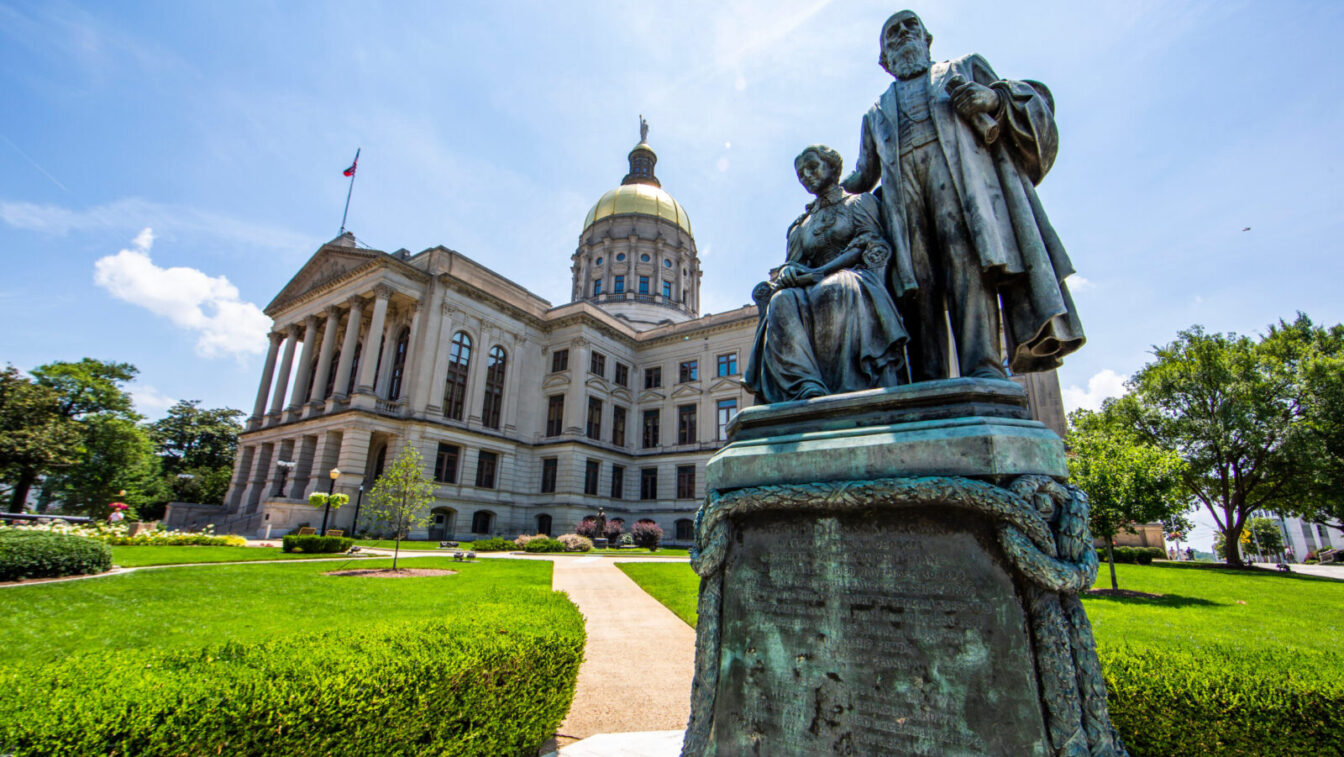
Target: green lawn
{"x":199,"y":606}
{"x":1201,"y":605}
{"x":134,"y":557}
{"x":407,"y":544}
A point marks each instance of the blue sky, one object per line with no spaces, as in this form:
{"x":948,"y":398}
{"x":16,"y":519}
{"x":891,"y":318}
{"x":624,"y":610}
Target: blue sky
{"x":492,"y":127}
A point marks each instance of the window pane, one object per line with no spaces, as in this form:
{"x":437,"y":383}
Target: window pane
{"x":485,"y":469}
{"x":727,"y":364}
{"x":618,"y":482}
{"x":651,"y":428}
{"x":445,"y":464}
{"x":548,"y":467}
{"x":688,"y":371}
{"x":686,"y":424}
{"x":618,"y":426}
{"x":725,"y":411}
{"x":594,"y":418}
{"x":555,"y":414}
{"x":559,"y":360}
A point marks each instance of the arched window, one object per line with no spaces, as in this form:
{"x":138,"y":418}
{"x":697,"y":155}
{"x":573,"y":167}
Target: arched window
{"x":544,"y":524}
{"x":354,"y":368}
{"x":494,"y":387}
{"x":399,"y":363}
{"x":481,"y":520}
{"x":455,"y":388}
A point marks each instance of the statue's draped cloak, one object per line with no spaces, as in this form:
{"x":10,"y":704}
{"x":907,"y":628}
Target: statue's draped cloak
{"x":1010,"y":232}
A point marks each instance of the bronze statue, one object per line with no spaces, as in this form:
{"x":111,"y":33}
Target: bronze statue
{"x":959,"y":152}
{"x":827,"y":323}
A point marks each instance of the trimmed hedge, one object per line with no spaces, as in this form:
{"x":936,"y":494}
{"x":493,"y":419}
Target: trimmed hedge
{"x":43,"y":554}
{"x":432,"y":687}
{"x":493,"y":545}
{"x":1134,"y":555}
{"x":314,"y":544}
{"x":545,"y":544}
{"x":1234,"y":702}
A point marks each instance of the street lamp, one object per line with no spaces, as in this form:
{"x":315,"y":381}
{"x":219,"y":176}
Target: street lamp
{"x":335,"y":474}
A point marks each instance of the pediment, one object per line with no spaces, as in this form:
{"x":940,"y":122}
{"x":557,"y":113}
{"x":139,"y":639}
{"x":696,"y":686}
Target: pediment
{"x":327,"y":264}
{"x":727,"y":383}
{"x":554,"y":380}
{"x":648,"y":395}
{"x":691,"y":389}
{"x":597,"y":383}
{"x":622,"y":394}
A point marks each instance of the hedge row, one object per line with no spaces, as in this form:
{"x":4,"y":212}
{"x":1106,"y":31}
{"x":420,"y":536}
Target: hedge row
{"x":1139,"y":555}
{"x":495,"y":544}
{"x":1227,"y":702}
{"x":313,"y":544}
{"x":43,"y":554}
{"x":437,"y":687}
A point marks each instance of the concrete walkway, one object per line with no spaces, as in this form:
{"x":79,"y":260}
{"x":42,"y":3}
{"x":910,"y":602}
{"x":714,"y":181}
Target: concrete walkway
{"x":636,"y":673}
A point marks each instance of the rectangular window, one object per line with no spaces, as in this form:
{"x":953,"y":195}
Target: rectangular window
{"x":548,"y":467}
{"x":648,"y":483}
{"x":651,"y":428}
{"x":688,"y":371}
{"x":590,"y":471}
{"x":685,"y":482}
{"x":485,"y":469}
{"x":559,"y":360}
{"x":726,"y":410}
{"x":653,"y":377}
{"x":598,"y":364}
{"x":618,"y":482}
{"x":594,"y":418}
{"x":619,"y":285}
{"x":643,"y":284}
{"x":618,"y":425}
{"x":622,"y":377}
{"x":597,"y":287}
{"x":445,"y":463}
{"x":686,"y":424}
{"x":667,"y":290}
{"x":728,"y":364}
{"x":555,"y":414}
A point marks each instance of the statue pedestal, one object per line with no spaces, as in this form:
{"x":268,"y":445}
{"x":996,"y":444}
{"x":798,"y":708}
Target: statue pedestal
{"x":894,"y":572}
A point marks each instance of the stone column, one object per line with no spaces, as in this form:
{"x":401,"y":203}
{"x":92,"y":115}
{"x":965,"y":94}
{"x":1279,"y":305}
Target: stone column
{"x":353,"y":458}
{"x":319,"y":392}
{"x":351,"y":339}
{"x":434,"y":402}
{"x":303,"y":471}
{"x":480,"y":357}
{"x":428,"y":345}
{"x":511,"y":370}
{"x":286,"y":362}
{"x":300,"y":393}
{"x":383,"y":380}
{"x":576,"y":404}
{"x":368,"y":359}
{"x":267,"y":375}
{"x":410,"y":368}
{"x":324,"y":459}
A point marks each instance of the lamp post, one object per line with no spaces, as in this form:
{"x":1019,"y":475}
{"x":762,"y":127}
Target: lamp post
{"x":354,"y":524}
{"x":335,"y":474}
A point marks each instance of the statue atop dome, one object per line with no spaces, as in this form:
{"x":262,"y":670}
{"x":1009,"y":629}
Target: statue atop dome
{"x":643,"y":130}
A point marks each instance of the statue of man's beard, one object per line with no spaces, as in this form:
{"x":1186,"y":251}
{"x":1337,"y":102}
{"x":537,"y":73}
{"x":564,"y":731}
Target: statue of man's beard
{"x":910,"y":59}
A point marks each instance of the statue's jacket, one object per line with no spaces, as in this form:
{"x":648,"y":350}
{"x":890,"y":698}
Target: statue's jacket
{"x":996,"y":183}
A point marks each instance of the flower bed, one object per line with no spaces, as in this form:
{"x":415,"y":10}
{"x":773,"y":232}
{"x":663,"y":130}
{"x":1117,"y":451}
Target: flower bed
{"x":118,"y":534}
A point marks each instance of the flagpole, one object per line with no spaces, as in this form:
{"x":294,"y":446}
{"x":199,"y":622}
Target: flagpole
{"x":349,"y":191}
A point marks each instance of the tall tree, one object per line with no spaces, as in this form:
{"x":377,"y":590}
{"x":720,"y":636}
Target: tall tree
{"x":196,"y":446}
{"x":1232,"y":407}
{"x":89,"y":386}
{"x":1126,"y":480}
{"x":36,"y":437}
{"x":1315,"y":357}
{"x":402,"y":495}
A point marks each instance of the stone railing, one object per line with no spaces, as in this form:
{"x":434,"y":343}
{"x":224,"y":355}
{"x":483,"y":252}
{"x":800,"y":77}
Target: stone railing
{"x":389,"y":407}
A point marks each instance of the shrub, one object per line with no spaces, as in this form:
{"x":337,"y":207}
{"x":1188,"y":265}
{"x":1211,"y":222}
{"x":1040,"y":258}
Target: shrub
{"x":576,"y":543}
{"x":523,"y":539}
{"x":614,"y":528}
{"x":627,"y":540}
{"x":495,"y":544}
{"x":1133,"y":555}
{"x":587,"y":527}
{"x":545,"y":544}
{"x":314,"y":544}
{"x":41,"y":554}
{"x":436,"y":687}
{"x":647,"y":534}
{"x":1218,"y":701}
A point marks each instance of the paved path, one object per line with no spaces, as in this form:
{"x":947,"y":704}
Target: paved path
{"x":1325,"y":571}
{"x":636,"y":673}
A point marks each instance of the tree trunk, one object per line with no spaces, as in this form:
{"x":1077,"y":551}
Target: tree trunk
{"x":1232,"y":548}
{"x":396,"y":550}
{"x":1110,"y":558}
{"x":21,"y":488}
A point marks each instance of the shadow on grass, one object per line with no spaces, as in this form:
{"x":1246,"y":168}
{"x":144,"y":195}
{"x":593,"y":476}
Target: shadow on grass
{"x":1151,"y":600}
{"x":1217,"y":567}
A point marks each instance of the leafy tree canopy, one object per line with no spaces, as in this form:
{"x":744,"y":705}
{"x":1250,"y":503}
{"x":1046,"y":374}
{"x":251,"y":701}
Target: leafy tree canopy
{"x":89,"y":386}
{"x":35,"y":436}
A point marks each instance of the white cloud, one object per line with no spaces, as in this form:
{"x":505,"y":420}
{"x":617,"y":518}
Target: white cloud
{"x":150,"y":402}
{"x":132,"y":212}
{"x":189,"y":298}
{"x":1078,"y":283}
{"x":1104,"y":384}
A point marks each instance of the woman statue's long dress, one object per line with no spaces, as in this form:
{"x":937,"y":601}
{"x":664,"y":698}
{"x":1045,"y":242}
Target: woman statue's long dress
{"x":829,"y":325}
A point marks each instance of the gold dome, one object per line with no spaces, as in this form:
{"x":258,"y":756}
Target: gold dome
{"x":638,"y":199}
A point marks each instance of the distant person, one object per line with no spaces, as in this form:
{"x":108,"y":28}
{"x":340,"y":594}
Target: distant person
{"x":1190,"y":553}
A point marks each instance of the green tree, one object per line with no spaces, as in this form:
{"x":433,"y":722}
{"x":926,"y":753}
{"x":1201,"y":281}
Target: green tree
{"x":402,"y":495}
{"x":89,"y":386}
{"x":1126,"y":480}
{"x":196,"y":447}
{"x":1314,"y":356}
{"x":118,"y":456}
{"x":1230,"y":406}
{"x":36,"y":437}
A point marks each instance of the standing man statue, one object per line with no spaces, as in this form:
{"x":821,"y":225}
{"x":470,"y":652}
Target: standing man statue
{"x":959,"y":152}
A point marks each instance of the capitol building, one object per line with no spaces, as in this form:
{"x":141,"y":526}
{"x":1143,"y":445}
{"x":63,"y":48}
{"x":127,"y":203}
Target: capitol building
{"x":528,"y":415}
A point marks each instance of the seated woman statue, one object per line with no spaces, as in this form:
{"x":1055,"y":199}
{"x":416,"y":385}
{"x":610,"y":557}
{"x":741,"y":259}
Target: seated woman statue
{"x":828,"y":324}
